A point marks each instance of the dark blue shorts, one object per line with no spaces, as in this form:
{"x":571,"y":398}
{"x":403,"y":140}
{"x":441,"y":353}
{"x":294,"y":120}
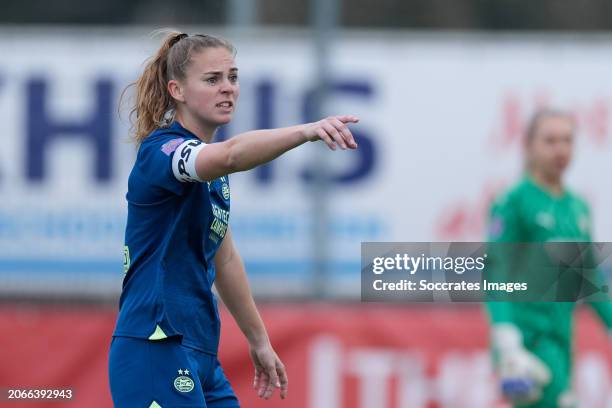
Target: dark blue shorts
{"x":164,"y":373}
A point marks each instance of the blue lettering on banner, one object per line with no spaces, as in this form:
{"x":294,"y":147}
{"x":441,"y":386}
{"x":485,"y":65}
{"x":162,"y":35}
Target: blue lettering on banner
{"x":265,"y":92}
{"x":42,"y":129}
{"x":366,"y":154}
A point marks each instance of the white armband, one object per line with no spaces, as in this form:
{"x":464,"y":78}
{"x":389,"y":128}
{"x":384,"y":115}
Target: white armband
{"x":184,"y":161}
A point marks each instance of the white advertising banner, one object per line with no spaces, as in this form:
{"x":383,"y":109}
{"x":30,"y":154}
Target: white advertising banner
{"x":440,"y":134}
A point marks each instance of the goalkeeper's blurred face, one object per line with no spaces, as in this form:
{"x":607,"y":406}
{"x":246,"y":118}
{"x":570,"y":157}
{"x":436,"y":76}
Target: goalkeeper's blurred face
{"x":550,"y":146}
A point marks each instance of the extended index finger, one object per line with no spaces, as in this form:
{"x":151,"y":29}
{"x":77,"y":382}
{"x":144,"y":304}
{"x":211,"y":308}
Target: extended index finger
{"x":349,"y":140}
{"x":347,"y":118}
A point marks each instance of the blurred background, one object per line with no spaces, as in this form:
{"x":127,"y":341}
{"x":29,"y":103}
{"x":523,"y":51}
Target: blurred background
{"x":443,"y":89}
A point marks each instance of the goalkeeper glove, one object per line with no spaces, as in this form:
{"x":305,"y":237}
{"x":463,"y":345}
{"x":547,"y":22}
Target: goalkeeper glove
{"x":522,"y":374}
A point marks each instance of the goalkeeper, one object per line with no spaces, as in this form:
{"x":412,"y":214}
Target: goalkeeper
{"x":531,"y":341}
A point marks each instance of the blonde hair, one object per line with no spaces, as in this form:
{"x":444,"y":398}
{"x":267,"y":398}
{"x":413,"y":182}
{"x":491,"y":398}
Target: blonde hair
{"x":154,"y":107}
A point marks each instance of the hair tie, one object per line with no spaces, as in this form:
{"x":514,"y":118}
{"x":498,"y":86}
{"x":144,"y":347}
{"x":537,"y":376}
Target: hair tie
{"x":178,"y":38}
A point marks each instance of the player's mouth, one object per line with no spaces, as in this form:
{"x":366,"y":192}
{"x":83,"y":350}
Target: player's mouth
{"x":225,"y":105}
{"x":561,"y":163}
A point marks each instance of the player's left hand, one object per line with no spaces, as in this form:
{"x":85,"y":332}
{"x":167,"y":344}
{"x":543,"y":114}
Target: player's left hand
{"x":270,"y":372}
{"x":522,"y":374}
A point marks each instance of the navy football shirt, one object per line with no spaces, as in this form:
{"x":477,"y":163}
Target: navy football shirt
{"x":175,"y":225}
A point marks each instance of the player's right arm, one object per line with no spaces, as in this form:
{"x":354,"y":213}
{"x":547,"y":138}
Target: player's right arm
{"x":251,"y":149}
{"x":503,"y":227}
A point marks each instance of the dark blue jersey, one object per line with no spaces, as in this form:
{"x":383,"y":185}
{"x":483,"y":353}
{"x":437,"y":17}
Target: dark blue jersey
{"x":175,"y":225}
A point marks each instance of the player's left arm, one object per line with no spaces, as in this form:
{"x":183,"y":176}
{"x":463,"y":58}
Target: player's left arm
{"x":233,"y":288}
{"x":603,"y":309}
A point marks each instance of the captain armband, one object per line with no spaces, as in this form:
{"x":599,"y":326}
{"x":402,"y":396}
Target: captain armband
{"x":184,"y":161}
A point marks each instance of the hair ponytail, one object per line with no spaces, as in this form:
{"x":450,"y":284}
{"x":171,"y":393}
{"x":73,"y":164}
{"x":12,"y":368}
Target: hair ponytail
{"x":152,"y":99}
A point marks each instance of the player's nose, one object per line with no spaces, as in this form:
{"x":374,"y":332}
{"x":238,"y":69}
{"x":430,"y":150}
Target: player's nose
{"x":227,"y":87}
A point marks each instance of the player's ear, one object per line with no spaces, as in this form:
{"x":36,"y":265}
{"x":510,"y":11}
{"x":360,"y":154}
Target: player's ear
{"x":176,"y":90}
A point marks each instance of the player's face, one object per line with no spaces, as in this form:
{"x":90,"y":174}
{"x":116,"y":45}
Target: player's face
{"x":211,"y":86}
{"x":550,"y":150}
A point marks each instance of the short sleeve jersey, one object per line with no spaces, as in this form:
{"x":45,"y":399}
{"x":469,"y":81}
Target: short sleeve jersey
{"x":175,"y":225}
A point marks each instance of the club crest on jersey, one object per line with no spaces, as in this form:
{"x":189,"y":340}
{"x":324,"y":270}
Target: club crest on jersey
{"x":225,"y":191}
{"x":182,"y":383}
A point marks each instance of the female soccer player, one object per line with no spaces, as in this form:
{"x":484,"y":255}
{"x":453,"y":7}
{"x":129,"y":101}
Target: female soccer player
{"x":178,"y":242}
{"x":531,"y":342}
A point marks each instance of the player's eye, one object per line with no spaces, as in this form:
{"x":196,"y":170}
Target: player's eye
{"x":233,"y":78}
{"x":212,"y":80}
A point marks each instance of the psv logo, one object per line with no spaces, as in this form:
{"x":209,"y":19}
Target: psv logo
{"x":182,"y":383}
{"x":225,"y":191}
